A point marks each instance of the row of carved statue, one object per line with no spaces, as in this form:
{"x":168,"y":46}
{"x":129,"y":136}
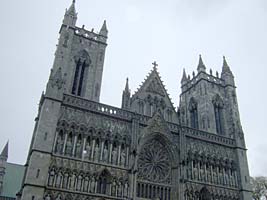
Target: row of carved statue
{"x":214,"y":174}
{"x":86,"y":148}
{"x":148,"y":107}
{"x":103,"y":183}
{"x":222,"y":194}
{"x":149,"y":191}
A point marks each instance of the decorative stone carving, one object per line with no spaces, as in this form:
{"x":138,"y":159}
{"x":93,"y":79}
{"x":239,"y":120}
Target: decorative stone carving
{"x":155,"y":87}
{"x":154,"y":163}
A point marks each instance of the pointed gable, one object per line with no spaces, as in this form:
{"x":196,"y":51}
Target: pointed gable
{"x":153,"y":85}
{"x":152,"y":95}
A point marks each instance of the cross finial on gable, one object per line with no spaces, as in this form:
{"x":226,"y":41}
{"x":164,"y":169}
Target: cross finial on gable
{"x":155,"y":64}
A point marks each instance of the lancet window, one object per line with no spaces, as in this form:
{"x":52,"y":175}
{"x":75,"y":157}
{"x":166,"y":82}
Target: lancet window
{"x":82,"y":62}
{"x":218,"y":113}
{"x":193,"y":111}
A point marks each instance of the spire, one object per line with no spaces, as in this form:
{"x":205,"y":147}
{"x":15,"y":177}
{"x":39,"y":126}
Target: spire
{"x":70,"y":17}
{"x":201,"y":67}
{"x":126,"y":96}
{"x":184,"y":78}
{"x":104,"y":30}
{"x":4,"y":153}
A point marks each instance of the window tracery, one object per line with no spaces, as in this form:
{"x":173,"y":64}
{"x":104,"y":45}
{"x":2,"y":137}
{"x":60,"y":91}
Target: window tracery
{"x":193,"y":111}
{"x":82,"y":62}
{"x":218,"y":112}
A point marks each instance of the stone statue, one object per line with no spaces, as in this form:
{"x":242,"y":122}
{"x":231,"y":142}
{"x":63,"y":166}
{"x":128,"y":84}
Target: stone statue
{"x":51,"y":177}
{"x":87,"y":155}
{"x":92,"y":189}
{"x":59,"y":197}
{"x":114,"y":156}
{"x":113,"y":188}
{"x":105,"y":156}
{"x":78,"y":152}
{"x":59,"y":145}
{"x":69,"y":147}
{"x":96,"y":152}
{"x":123,"y":156}
{"x":48,"y":197}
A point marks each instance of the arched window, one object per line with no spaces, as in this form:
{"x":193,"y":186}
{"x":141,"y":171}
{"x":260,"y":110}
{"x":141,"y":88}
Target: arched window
{"x":82,"y":63}
{"x":218,"y":113}
{"x":193,"y":113}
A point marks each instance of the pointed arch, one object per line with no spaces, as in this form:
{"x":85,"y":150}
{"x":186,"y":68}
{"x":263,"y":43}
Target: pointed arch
{"x":204,"y":194}
{"x":218,"y":106}
{"x":82,"y":61}
{"x":104,"y":181}
{"x":193,"y":110}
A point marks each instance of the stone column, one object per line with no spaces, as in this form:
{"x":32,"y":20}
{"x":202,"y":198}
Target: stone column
{"x":101,"y":150}
{"x":55,"y":142}
{"x":127,"y":156}
{"x":119,"y":155}
{"x":93,"y":150}
{"x":198,"y":170}
{"x":110,"y":153}
{"x":211,"y":169}
{"x":65,"y":142}
{"x":224,"y":180}
{"x":74,"y":145}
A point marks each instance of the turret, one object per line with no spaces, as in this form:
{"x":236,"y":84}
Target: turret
{"x":70,"y":17}
{"x":126,"y":96}
{"x":227,"y":74}
{"x":201,"y":67}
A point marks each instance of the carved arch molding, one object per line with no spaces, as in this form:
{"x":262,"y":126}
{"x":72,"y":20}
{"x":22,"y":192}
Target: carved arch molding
{"x":154,"y":163}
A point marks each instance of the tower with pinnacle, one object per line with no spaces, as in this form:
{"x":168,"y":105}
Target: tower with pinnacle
{"x":147,"y":149}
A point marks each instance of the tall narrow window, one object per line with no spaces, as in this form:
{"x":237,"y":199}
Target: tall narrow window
{"x":82,"y":63}
{"x":193,"y":113}
{"x":218,"y":114}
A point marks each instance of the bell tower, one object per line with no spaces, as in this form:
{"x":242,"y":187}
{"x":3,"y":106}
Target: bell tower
{"x":79,"y":59}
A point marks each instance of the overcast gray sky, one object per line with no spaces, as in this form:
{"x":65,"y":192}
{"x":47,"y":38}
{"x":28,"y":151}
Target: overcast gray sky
{"x":172,"y":32}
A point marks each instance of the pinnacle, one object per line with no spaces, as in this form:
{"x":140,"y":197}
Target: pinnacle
{"x":104,"y":30}
{"x":184,"y":78}
{"x":225,"y":68}
{"x":72,"y":9}
{"x":5,"y":151}
{"x":127,"y":85}
{"x":201,"y":66}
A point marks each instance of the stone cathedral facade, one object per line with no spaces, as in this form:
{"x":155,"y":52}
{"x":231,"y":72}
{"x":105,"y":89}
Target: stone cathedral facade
{"x":82,"y":149}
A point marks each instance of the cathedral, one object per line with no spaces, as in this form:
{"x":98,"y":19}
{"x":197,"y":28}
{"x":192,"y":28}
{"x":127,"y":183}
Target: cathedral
{"x":82,"y":149}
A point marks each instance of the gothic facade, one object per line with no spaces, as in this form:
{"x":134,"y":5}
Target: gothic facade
{"x":82,"y":149}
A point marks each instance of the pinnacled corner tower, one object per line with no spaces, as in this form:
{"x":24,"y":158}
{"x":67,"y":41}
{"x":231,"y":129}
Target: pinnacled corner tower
{"x":208,"y":103}
{"x":77,"y":71}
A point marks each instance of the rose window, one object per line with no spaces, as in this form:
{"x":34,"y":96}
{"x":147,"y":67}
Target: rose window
{"x":154,"y":163}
